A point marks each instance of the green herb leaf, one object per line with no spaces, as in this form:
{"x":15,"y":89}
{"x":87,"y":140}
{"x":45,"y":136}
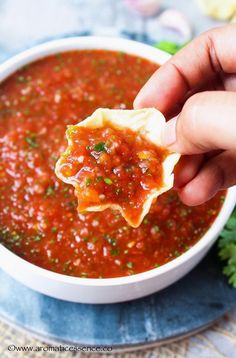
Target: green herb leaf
{"x":115,"y":252}
{"x":100,"y":147}
{"x":65,"y":266}
{"x":32,"y":141}
{"x":111,"y":240}
{"x":130,"y":265}
{"x":15,"y":236}
{"x":108,"y":181}
{"x":36,"y":238}
{"x":72,"y":204}
{"x":169,"y":46}
{"x":50,"y":191}
{"x":22,"y":79}
{"x":88,"y":181}
{"x":227,"y":249}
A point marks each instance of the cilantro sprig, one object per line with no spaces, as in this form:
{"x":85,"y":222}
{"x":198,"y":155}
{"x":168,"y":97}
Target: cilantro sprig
{"x":169,"y":46}
{"x":227,"y":249}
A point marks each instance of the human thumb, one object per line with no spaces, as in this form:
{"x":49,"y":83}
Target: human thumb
{"x":206,"y":122}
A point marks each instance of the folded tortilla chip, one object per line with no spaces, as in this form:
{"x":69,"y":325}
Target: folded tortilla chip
{"x":148,"y":124}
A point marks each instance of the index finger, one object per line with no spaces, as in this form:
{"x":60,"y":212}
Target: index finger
{"x":204,"y":58}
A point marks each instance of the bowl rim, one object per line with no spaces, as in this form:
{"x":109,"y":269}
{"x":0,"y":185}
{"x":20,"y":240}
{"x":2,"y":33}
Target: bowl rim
{"x":159,"y":57}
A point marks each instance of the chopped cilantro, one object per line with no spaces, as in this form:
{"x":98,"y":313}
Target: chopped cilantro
{"x":50,"y":190}
{"x":21,"y":79}
{"x":102,"y":61}
{"x":111,"y":240}
{"x":36,"y":238}
{"x":65,"y":189}
{"x":222,"y":199}
{"x":129,"y":264}
{"x":115,"y":252}
{"x":88,"y":181}
{"x":65,"y":266}
{"x":32,"y":141}
{"x":72,"y":204}
{"x":100,"y":147}
{"x":176,"y":253}
{"x":227,"y":249}
{"x":15,"y":236}
{"x":54,"y":158}
{"x":98,"y":179}
{"x":108,"y":181}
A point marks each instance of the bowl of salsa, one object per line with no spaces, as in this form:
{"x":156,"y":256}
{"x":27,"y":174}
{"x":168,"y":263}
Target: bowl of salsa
{"x":44,"y":242}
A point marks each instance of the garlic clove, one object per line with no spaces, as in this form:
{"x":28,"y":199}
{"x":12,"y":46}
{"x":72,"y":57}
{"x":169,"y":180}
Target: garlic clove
{"x":176,"y":21}
{"x":144,"y":7}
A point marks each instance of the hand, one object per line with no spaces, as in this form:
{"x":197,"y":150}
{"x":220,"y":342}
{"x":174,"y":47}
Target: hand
{"x":199,"y":83}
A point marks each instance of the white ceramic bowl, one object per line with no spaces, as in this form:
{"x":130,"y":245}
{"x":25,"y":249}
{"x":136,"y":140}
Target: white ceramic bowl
{"x":113,"y":289}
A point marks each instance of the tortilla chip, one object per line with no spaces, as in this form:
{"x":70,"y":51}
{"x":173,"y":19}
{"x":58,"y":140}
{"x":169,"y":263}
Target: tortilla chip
{"x":149,"y":124}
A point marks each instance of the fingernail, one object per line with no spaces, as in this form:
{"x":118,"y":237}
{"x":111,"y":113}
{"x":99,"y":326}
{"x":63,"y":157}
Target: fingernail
{"x":169,"y":134}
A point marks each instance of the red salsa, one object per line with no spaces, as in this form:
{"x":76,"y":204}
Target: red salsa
{"x":112,"y":166}
{"x":38,"y":216}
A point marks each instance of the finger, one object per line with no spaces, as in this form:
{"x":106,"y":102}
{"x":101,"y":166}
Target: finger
{"x":187,"y":168}
{"x":213,"y":85}
{"x":216,"y":174}
{"x":207,"y":122}
{"x":203,"y":59}
{"x":229,"y":81}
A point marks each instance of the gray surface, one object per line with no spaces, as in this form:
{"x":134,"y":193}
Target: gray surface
{"x":190,"y":304}
{"x":25,"y":22}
